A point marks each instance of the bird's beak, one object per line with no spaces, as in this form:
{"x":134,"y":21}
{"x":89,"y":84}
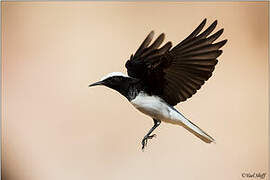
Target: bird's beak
{"x":96,"y":83}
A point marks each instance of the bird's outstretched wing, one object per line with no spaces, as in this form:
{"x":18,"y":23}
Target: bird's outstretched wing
{"x":176,"y":74}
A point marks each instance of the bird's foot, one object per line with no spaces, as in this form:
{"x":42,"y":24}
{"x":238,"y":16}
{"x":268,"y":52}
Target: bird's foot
{"x":145,"y":139}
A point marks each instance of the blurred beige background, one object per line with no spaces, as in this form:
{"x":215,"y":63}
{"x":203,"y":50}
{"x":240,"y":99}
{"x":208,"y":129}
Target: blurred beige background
{"x":55,"y":127}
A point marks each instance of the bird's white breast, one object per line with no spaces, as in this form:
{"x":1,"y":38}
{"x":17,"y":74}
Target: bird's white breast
{"x":154,"y":107}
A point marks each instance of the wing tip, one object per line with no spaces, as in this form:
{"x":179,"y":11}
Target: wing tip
{"x":221,"y":30}
{"x":201,"y":25}
{"x":219,"y":52}
{"x":204,"y":21}
{"x":223,"y":42}
{"x":215,"y":23}
{"x":151,"y":34}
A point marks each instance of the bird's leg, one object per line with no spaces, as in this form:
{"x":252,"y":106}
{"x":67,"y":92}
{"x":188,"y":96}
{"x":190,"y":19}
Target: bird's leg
{"x":148,"y":136}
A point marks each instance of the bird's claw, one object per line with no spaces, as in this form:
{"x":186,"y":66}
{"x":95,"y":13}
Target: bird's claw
{"x":145,"y":139}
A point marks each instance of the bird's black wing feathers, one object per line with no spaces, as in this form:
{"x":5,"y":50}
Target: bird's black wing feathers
{"x":177,"y":74}
{"x":147,"y":57}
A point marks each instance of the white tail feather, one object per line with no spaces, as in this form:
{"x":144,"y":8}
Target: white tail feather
{"x":191,"y":127}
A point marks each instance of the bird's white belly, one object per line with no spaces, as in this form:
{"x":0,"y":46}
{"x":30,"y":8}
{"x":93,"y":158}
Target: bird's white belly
{"x":154,"y":107}
{"x":157,"y":108}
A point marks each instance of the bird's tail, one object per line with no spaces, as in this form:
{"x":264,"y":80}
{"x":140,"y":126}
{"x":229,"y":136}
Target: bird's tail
{"x":194,"y":129}
{"x":191,"y":127}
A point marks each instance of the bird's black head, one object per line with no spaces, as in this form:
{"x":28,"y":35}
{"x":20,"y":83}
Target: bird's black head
{"x":117,"y":81}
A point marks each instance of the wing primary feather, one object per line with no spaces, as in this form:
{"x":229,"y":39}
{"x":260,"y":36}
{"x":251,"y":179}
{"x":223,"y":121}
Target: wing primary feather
{"x":213,"y":37}
{"x":190,"y":73}
{"x":160,"y":51}
{"x":165,"y":48}
{"x":155,"y":45}
{"x":193,"y":34}
{"x":186,"y":76}
{"x":208,"y":30}
{"x":200,"y":39}
{"x":201,"y":48}
{"x":197,"y":43}
{"x":198,"y":67}
{"x":157,"y":42}
{"x":144,"y":44}
{"x":201,"y":62}
{"x":201,"y":56}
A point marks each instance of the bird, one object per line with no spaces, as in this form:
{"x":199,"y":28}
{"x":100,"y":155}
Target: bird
{"x":158,"y":78}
